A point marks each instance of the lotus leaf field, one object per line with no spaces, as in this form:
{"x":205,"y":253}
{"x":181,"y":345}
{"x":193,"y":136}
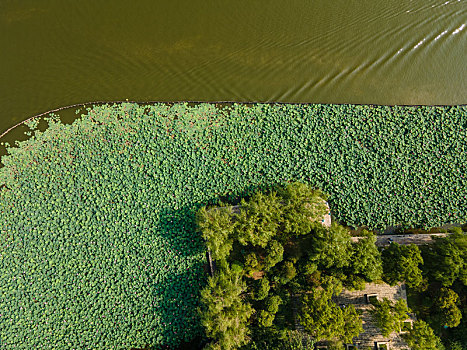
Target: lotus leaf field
{"x":98,"y":247}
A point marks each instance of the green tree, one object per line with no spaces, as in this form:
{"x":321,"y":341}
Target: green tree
{"x":236,"y":267}
{"x":304,"y":208}
{"x":354,"y":282}
{"x":310,"y":266}
{"x":331,"y":247}
{"x":422,"y":337}
{"x":446,"y":303}
{"x":388,"y":316}
{"x":261,"y":290}
{"x":401,"y":263}
{"x":331,"y":284}
{"x":366,"y":258}
{"x":258,"y":220}
{"x":252,"y":264}
{"x":352,"y":323}
{"x":217,"y":229}
{"x":323,"y":319}
{"x":266,"y":317}
{"x":320,"y":316}
{"x":270,"y":339}
{"x":446,"y":259}
{"x":224,"y":313}
{"x":286,"y":273}
{"x":274,"y":254}
{"x":273,"y":303}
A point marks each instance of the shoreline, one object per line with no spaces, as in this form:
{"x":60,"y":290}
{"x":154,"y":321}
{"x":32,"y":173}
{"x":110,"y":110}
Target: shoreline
{"x":91,"y":103}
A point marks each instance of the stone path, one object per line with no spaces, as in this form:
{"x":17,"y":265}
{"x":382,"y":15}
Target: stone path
{"x":418,"y":239}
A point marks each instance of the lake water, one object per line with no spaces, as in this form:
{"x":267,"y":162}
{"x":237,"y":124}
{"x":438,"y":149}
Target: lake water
{"x":56,"y":53}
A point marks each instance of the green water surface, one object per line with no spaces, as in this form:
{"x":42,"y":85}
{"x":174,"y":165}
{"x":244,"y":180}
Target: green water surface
{"x":57,"y":53}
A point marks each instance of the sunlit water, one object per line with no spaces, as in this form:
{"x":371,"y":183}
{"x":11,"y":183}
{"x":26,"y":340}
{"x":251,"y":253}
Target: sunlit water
{"x":56,"y":53}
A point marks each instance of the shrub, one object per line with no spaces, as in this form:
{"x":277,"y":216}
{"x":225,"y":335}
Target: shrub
{"x":455,"y":346}
{"x":456,"y":229}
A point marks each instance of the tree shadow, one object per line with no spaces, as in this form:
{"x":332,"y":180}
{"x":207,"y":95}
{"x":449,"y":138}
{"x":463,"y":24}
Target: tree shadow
{"x":178,"y":311}
{"x":178,"y":226}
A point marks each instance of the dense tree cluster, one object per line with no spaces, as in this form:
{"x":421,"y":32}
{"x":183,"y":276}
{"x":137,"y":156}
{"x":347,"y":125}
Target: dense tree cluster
{"x":292,"y":262}
{"x":436,"y":276}
{"x":282,"y":257}
{"x":323,"y":319}
{"x":265,"y":339}
{"x":442,"y":300}
{"x":130,"y":177}
{"x":422,"y":337}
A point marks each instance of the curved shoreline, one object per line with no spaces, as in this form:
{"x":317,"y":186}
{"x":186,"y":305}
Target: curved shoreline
{"x":210,"y":102}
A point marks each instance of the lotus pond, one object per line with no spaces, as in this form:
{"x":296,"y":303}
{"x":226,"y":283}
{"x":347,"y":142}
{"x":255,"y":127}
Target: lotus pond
{"x":97,"y":241}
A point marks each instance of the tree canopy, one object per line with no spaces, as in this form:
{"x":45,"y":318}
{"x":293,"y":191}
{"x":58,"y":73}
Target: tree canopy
{"x":249,"y":246}
{"x":365,"y":260}
{"x":390,"y":316}
{"x":446,"y":259}
{"x":422,"y":337}
{"x":402,"y":263}
{"x":279,"y":265}
{"x":331,"y":247}
{"x":224,"y":313}
{"x":217,"y":229}
{"x":304,"y":208}
{"x":442,"y":303}
{"x":321,"y":317}
{"x":258,"y":221}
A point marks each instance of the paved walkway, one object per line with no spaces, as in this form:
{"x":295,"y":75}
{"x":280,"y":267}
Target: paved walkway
{"x":418,"y":239}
